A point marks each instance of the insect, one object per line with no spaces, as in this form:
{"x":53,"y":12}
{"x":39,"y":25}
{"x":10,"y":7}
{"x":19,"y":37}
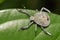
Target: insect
{"x":40,"y":18}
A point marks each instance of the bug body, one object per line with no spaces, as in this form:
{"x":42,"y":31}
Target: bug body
{"x":41,"y":18}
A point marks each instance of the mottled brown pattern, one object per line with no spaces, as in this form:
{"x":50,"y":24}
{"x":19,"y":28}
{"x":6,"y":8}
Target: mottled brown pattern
{"x":42,"y":19}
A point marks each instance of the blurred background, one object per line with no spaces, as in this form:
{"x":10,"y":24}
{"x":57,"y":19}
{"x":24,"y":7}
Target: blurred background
{"x":52,"y":5}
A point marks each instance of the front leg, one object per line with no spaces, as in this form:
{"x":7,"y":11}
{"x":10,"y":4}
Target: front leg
{"x":26,"y":27}
{"x":45,"y":31}
{"x":24,"y":11}
{"x":43,"y":8}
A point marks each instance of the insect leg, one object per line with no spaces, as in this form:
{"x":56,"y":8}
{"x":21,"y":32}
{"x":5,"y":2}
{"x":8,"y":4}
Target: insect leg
{"x":45,"y":31}
{"x":23,"y":11}
{"x":43,"y":8}
{"x":26,"y":27}
{"x":35,"y":29}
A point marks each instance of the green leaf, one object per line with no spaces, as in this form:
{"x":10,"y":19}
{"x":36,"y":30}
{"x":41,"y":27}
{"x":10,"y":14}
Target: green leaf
{"x":11,"y":21}
{"x":1,"y":1}
{"x":53,"y":29}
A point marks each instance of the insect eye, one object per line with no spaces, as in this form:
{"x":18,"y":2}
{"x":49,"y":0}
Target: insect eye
{"x":47,"y":18}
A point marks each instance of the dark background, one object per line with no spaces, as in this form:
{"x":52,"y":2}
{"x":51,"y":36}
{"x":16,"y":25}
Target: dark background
{"x":52,"y":5}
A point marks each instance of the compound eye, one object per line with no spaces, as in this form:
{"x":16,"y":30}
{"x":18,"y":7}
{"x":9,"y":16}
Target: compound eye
{"x":47,"y":19}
